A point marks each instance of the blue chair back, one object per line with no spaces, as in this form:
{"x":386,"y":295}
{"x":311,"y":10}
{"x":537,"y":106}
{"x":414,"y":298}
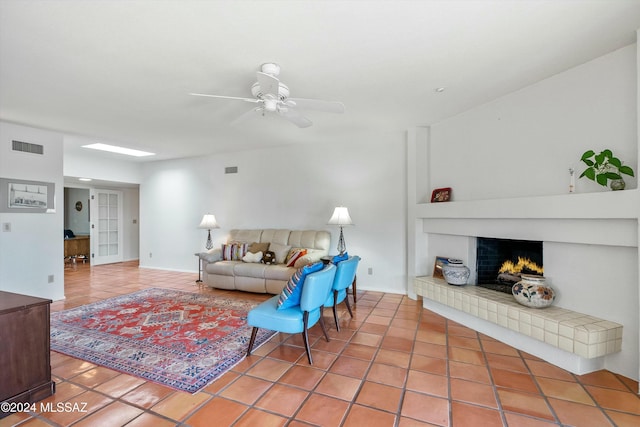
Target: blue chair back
{"x":345,"y":273}
{"x":317,"y":288}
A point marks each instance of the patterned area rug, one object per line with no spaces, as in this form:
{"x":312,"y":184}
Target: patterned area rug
{"x":179,"y":339}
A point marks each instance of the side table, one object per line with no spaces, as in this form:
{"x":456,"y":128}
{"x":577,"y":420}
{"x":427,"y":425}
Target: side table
{"x":327,"y":259}
{"x":199,"y":267}
{"x":25,"y":376}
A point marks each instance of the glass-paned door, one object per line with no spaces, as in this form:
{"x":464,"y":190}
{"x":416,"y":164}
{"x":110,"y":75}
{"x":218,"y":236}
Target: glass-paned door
{"x":106,"y":226}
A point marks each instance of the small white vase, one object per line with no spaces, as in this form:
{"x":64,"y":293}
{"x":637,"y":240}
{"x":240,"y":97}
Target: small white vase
{"x":455,"y":272}
{"x":617,"y":184}
{"x":533,"y":291}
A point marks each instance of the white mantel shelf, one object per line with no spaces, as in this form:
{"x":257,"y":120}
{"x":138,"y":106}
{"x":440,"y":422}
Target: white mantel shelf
{"x":602,"y":205}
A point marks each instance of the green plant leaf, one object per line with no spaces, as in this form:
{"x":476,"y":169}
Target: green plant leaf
{"x":600,"y":158}
{"x":615,"y":161}
{"x":612,"y":175}
{"x":607,"y":153}
{"x":626,"y":170}
{"x":588,"y":162}
{"x":601,"y":179}
{"x":587,"y":154}
{"x":589,"y":173}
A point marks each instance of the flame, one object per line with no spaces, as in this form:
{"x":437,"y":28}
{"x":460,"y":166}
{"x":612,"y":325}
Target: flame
{"x":510,"y":267}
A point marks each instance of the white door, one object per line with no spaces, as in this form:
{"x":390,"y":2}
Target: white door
{"x":106,"y":226}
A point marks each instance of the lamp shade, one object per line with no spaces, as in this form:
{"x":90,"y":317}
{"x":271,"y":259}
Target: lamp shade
{"x":340,"y":217}
{"x":209,"y":222}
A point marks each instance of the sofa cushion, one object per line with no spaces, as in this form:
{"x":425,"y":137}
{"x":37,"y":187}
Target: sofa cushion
{"x":276,"y":235}
{"x":252,"y":257}
{"x":245,"y":236}
{"x":291,"y":293}
{"x":222,"y":268}
{"x":233,"y":251}
{"x":279,"y":272}
{"x":245,"y":269}
{"x":256,"y":247}
{"x":281,"y":251}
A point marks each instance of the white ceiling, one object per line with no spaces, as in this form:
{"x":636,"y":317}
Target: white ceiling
{"x":120,"y":71}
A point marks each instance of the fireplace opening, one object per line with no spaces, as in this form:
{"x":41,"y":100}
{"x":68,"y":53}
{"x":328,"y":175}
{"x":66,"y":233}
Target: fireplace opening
{"x":501,"y":262}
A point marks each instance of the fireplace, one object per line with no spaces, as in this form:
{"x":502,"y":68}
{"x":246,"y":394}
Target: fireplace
{"x":500,"y":262}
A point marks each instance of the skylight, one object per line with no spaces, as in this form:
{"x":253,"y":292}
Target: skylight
{"x":119,"y":150}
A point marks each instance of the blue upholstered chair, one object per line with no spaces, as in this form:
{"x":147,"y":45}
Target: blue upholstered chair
{"x":345,"y":275}
{"x":315,"y":290}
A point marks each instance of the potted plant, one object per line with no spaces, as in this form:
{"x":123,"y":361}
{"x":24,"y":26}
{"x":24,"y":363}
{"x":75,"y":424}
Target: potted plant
{"x":604,"y":167}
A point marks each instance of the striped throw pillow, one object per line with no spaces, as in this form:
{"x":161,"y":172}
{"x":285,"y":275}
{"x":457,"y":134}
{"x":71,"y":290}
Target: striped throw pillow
{"x":233,"y":251}
{"x":290,"y":295}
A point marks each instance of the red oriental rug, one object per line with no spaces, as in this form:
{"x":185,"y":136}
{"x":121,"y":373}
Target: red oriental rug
{"x":179,"y":339}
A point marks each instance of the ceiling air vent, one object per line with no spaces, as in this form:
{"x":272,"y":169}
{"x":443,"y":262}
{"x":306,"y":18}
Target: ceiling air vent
{"x":28,"y":147}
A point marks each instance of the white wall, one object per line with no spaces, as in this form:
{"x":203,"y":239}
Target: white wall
{"x":524,"y":143}
{"x":33,"y":250}
{"x":294,"y":187}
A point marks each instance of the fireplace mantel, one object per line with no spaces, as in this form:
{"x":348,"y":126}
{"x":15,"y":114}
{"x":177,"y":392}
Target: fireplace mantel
{"x":569,"y":218}
{"x":602,"y":205}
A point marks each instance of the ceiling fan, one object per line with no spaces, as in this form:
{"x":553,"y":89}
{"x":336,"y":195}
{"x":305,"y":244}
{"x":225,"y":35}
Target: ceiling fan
{"x":272,"y":96}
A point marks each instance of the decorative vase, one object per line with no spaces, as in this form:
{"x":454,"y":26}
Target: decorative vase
{"x":455,"y":272}
{"x":533,"y":291}
{"x":617,"y":184}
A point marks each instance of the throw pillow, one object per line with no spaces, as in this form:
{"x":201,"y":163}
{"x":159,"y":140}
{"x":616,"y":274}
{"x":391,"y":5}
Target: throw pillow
{"x":290,"y":295}
{"x":256,"y":247}
{"x":233,"y":251}
{"x":281,"y":251}
{"x":336,"y":259}
{"x":294,"y":255}
{"x":251,"y":257}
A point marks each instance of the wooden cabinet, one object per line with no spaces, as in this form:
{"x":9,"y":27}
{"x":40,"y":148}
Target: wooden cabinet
{"x":78,"y":245}
{"x":25,"y":365}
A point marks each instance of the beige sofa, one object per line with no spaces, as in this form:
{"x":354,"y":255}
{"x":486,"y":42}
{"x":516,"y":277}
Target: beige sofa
{"x":259,"y":277}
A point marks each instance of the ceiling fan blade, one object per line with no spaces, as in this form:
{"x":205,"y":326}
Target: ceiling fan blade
{"x":226,"y":97}
{"x":245,"y":116}
{"x":294,"y":117}
{"x":268,"y":84}
{"x":317,"y":104}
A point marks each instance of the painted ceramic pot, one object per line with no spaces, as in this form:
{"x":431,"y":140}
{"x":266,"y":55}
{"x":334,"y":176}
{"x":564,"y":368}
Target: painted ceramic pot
{"x":455,"y":272}
{"x":533,"y":291}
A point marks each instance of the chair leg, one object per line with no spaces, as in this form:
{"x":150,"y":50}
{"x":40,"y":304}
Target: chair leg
{"x":335,"y":311}
{"x":346,"y":300}
{"x":323,"y":326}
{"x":335,"y":317}
{"x":305,"y":335}
{"x":254,"y":332}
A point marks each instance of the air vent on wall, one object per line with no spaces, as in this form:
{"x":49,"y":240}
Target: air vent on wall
{"x":28,"y":147}
{"x":231,"y":169}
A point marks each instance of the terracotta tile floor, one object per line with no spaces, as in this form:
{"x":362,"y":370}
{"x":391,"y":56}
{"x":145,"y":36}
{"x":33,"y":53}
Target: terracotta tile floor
{"x":393,"y":364}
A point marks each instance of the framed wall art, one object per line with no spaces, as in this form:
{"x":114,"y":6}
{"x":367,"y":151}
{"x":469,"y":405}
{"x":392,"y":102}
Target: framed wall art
{"x":441,"y":195}
{"x":21,"y":196}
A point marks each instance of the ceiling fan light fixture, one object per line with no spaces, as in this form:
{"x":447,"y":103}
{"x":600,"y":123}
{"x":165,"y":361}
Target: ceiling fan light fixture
{"x":283,"y":91}
{"x":270,"y":68}
{"x":270,"y":104}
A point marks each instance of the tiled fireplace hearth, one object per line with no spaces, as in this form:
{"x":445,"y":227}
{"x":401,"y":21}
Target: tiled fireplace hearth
{"x":587,"y":336}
